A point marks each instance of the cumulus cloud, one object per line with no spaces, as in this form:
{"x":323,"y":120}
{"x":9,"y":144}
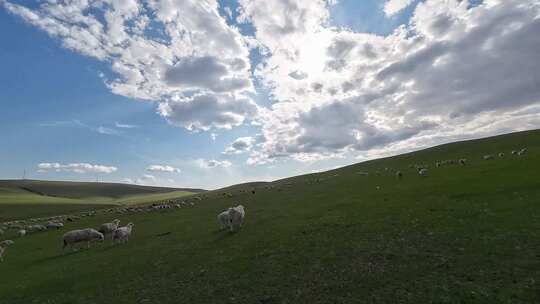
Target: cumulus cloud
{"x":240,"y":145}
{"x":212,"y":163}
{"x":157,"y":50}
{"x":81,"y":168}
{"x":428,"y":81}
{"x":207,"y":111}
{"x":163,"y":168}
{"x":392,"y":7}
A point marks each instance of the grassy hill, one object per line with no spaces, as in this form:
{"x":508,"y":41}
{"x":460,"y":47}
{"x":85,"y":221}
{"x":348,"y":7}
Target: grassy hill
{"x":464,"y":234}
{"x":34,"y":198}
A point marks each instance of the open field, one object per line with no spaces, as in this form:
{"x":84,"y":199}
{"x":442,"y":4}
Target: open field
{"x":463,"y":234}
{"x":31,"y":198}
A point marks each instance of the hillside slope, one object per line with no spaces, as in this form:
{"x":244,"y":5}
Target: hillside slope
{"x":463,"y":234}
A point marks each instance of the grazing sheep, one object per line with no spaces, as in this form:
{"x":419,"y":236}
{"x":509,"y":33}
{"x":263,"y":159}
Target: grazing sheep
{"x":21,"y":233}
{"x":87,"y":235}
{"x":54,"y":225}
{"x":463,"y":161}
{"x":488,"y":157}
{"x":237,"y":215}
{"x":121,"y":235}
{"x":522,"y":151}
{"x":108,"y":228}
{"x":3,"y":245}
{"x":501,"y":154}
{"x":423,"y":172}
{"x":514,"y":152}
{"x":35,"y":228}
{"x":224,"y":218}
{"x":399,"y":174}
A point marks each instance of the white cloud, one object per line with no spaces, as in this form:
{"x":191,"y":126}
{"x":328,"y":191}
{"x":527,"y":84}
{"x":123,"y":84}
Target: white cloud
{"x":107,"y":131}
{"x":75,"y":167}
{"x":146,"y":179}
{"x":240,"y":145}
{"x":212,"y":163}
{"x":124,"y":126}
{"x":163,"y":168}
{"x":392,"y":7}
{"x":425,"y":83}
{"x":158,"y":50}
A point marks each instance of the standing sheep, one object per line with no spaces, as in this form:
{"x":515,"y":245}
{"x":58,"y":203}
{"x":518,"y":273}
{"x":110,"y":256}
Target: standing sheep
{"x":109,"y":228}
{"x":399,"y":174}
{"x":224,"y":218}
{"x":21,"y":233}
{"x":82,"y":235}
{"x":463,"y":161}
{"x":423,"y":172}
{"x":121,"y":235}
{"x":488,"y":157}
{"x":237,"y":215}
{"x":3,"y":245}
{"x":54,"y":225}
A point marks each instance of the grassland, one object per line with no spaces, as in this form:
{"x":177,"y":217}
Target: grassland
{"x":21,"y":199}
{"x":464,"y":234}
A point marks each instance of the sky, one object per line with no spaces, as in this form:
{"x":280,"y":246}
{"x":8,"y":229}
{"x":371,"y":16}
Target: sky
{"x":206,"y":93}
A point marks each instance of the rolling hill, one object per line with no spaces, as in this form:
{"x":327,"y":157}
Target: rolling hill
{"x":463,"y":234}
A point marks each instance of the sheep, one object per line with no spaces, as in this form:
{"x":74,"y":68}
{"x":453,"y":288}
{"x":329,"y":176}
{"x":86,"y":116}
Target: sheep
{"x":34,"y":228}
{"x":488,"y":157}
{"x":399,"y":174}
{"x":87,"y":235}
{"x":514,"y":152}
{"x":109,"y":228}
{"x":21,"y":233}
{"x":224,"y":218}
{"x":463,"y":161}
{"x":236,"y":219}
{"x":121,"y":235}
{"x":423,"y":172}
{"x":522,"y":151}
{"x":501,"y":154}
{"x":54,"y":225}
{"x":3,"y":245}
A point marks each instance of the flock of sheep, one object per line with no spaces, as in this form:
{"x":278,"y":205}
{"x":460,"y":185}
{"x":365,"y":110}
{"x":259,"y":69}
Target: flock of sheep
{"x":231,"y":218}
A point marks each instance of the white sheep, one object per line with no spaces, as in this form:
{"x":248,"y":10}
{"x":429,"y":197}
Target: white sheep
{"x":3,"y":245}
{"x":423,"y":172}
{"x":488,"y":157}
{"x":121,"y":235}
{"x":34,"y":228}
{"x":54,"y":225}
{"x":514,"y":152}
{"x":501,"y":154}
{"x":237,"y":215}
{"x":522,"y":151}
{"x":87,"y":235}
{"x":463,"y":161}
{"x":399,"y":174}
{"x":224,"y":218}
{"x":21,"y":233}
{"x":109,"y":228}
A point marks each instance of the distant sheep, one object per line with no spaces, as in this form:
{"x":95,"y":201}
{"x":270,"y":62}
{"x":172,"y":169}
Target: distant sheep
{"x":54,"y":225}
{"x":237,"y":215}
{"x":423,"y":172}
{"x":399,"y":174}
{"x":514,"y":152}
{"x":488,"y":157}
{"x":522,"y":151}
{"x":121,"y":235}
{"x":501,"y":154}
{"x":21,"y":233}
{"x":463,"y":161}
{"x":109,"y":228}
{"x":87,"y":235}
{"x":3,"y":246}
{"x":35,"y":228}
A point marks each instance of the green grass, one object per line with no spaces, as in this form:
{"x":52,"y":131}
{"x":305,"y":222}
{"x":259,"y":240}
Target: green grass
{"x":465,"y":234}
{"x":21,"y":199}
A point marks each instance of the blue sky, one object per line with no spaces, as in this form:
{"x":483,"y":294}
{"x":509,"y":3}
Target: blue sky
{"x":60,"y":103}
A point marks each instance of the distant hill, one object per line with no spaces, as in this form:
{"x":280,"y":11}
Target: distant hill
{"x":80,"y":190}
